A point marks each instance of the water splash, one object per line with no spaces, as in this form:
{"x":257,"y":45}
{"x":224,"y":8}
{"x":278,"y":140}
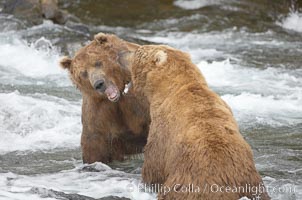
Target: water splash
{"x":195,"y":4}
{"x":292,"y":22}
{"x":100,"y":181}
{"x":38,"y":122}
{"x":271,"y":96}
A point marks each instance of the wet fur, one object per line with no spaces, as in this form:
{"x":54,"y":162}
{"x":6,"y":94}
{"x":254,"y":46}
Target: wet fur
{"x":110,"y":130}
{"x":193,"y":137}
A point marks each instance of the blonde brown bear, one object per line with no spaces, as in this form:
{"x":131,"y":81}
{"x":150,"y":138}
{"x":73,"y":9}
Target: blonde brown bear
{"x":194,"y":148}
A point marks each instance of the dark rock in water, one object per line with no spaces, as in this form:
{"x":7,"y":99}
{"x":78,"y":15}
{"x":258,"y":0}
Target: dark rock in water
{"x":61,"y":17}
{"x":64,"y":196}
{"x":24,"y":9}
{"x":95,"y":167}
{"x":35,"y":10}
{"x":49,"y":8}
{"x":79,"y":28}
{"x":90,"y":169}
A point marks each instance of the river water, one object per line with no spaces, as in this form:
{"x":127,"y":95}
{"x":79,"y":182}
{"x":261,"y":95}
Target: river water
{"x":249,"y":52}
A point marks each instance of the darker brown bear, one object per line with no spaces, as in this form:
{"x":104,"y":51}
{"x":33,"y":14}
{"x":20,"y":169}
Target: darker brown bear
{"x":194,"y":147}
{"x":114,"y":124}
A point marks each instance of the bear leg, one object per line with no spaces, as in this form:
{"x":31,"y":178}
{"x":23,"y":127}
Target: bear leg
{"x":95,"y":148}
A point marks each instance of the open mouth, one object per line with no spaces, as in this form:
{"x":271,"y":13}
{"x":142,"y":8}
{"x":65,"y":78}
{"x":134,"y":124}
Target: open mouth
{"x":113,"y":94}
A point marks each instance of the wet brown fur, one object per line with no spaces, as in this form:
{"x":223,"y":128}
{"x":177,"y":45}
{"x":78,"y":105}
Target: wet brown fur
{"x":110,"y":130}
{"x":193,"y":137}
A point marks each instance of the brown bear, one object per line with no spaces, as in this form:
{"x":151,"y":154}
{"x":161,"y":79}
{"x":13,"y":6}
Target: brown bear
{"x":194,"y":149}
{"x":114,"y":125}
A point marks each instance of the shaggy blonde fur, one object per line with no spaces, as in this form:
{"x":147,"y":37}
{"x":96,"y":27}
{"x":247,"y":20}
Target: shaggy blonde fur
{"x":193,"y":138}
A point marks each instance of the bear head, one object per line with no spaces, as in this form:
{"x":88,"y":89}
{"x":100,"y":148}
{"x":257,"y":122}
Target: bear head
{"x":95,"y":69}
{"x":153,"y":66}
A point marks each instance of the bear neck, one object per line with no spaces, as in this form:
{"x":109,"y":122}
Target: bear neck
{"x":92,"y":95}
{"x":169,"y":81}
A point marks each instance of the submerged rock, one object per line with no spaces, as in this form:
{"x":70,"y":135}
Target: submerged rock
{"x":49,"y":8}
{"x":78,"y":27}
{"x":35,"y":10}
{"x":24,"y":9}
{"x":45,"y":193}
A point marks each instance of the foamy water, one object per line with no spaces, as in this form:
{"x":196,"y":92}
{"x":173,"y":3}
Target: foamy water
{"x":195,"y":4}
{"x":101,"y":182}
{"x":38,"y":122}
{"x":35,"y":121}
{"x":24,"y":63}
{"x":292,"y":22}
{"x":270,"y":96}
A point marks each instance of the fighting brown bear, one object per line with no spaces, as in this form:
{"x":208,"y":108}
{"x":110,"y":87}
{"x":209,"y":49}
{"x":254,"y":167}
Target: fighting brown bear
{"x":114,"y":125}
{"x":194,"y":150}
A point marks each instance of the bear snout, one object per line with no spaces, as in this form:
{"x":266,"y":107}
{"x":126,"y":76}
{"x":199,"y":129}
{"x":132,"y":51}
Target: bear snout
{"x":99,"y":85}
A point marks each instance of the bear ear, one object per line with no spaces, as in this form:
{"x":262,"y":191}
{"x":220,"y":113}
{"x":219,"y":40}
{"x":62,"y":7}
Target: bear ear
{"x":124,"y":58}
{"x":160,"y":57}
{"x":65,"y":62}
{"x":101,"y":38}
{"x":132,"y":46}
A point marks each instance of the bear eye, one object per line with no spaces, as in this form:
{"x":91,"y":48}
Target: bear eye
{"x":84,"y":74}
{"x":98,"y":64}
